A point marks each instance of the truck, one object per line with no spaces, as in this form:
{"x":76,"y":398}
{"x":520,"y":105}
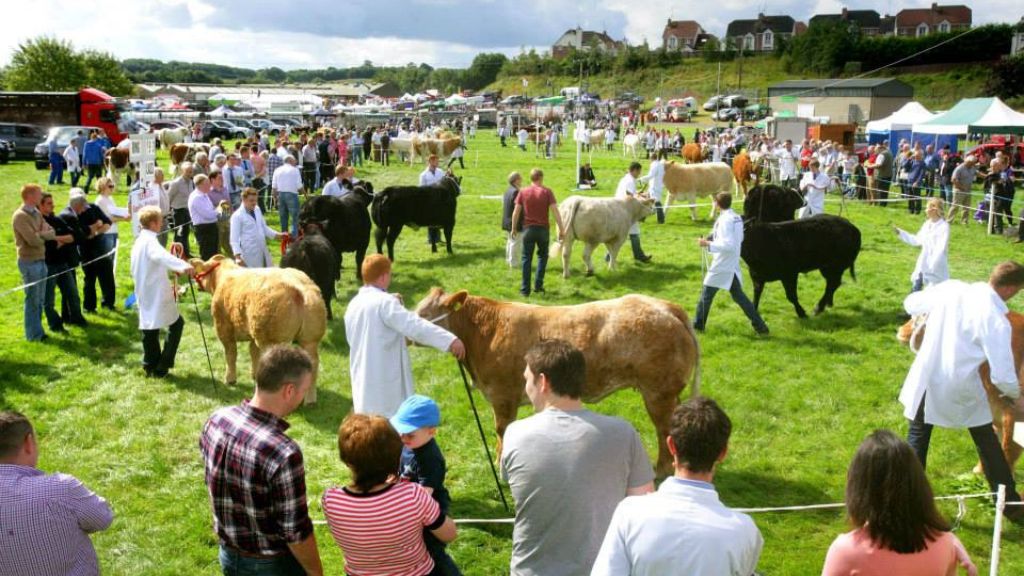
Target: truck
{"x":87,"y":107}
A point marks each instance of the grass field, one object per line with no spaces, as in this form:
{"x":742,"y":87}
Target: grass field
{"x":800,"y":401}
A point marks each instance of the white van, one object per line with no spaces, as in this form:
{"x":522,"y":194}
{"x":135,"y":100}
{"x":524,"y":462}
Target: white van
{"x":570,"y":92}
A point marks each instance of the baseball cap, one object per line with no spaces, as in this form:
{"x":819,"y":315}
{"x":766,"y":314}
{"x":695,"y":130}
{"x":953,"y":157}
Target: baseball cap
{"x":416,"y":412}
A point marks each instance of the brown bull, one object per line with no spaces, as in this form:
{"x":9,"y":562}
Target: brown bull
{"x":693,"y":152}
{"x":629,"y":342}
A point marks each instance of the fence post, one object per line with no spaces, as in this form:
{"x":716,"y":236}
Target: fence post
{"x":997,"y":531}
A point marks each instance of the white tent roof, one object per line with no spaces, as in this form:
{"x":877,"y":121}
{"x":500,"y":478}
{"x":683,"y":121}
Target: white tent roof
{"x":903,"y":119}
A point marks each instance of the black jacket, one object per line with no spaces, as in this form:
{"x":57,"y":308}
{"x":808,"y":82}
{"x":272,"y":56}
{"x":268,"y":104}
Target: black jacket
{"x":90,"y":247}
{"x":509,"y":202}
{"x":63,"y":224}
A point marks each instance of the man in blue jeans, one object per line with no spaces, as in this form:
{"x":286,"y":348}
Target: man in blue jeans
{"x":286,"y":184}
{"x":30,"y":235}
{"x":62,"y":259}
{"x":724,"y":272}
{"x":533,"y":204}
{"x":56,"y":163}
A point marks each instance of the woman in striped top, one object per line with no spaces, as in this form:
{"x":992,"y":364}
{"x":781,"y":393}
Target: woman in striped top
{"x":377,"y":520}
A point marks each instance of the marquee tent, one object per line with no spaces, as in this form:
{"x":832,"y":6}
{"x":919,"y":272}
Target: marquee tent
{"x":899,"y":125}
{"x":975,"y":116}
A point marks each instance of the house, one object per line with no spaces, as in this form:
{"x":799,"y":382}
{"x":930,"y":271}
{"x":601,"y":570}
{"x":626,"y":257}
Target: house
{"x":853,"y":100}
{"x":763,"y":33}
{"x":868,"y":22}
{"x":584,"y":41}
{"x":682,"y":35}
{"x":1017,"y":44}
{"x":923,"y":21}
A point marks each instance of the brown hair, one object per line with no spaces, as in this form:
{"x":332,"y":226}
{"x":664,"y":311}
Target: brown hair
{"x":249,"y":192}
{"x":888,"y":495}
{"x":562,"y":363}
{"x":14,"y":428}
{"x":700,"y":432}
{"x":536,"y":175}
{"x":280,"y":364}
{"x":148,"y":215}
{"x":371,"y":449}
{"x":340,"y":170}
{"x":1009,"y":273}
{"x":724,"y":200}
{"x":375,"y":266}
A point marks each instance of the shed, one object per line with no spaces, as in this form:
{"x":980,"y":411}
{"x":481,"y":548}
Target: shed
{"x":854,"y":100}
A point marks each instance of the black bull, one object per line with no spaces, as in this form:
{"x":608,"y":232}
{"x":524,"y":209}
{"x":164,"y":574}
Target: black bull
{"x":344,"y":221}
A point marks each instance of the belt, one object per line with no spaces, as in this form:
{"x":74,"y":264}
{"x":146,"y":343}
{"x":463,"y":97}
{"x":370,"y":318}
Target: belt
{"x":247,"y":554}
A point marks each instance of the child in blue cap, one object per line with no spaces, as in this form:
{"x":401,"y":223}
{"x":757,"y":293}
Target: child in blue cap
{"x":416,"y":421}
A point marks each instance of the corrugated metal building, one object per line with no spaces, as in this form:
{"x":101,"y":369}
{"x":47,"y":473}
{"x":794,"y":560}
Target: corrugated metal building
{"x":856,"y":100}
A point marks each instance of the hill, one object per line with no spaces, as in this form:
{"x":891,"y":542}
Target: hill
{"x":936,"y":90}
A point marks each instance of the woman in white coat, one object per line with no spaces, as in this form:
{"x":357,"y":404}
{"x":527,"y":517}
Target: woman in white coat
{"x":724,"y":272}
{"x":249,"y":233}
{"x":150,"y":264}
{"x":933,"y":238}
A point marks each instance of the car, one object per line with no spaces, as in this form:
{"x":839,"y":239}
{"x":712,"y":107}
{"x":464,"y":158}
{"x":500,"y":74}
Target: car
{"x":63,"y":136}
{"x":734,"y":101}
{"x":23,"y":137}
{"x":142,"y":127}
{"x":222,"y":129}
{"x":630,"y":98}
{"x":243,"y":124}
{"x":726,"y":114}
{"x":271,"y":127}
{"x":6,"y":151}
{"x":987,"y":151}
{"x":515,"y":100}
{"x":289,"y":122}
{"x":713,"y":103}
{"x":166,"y":124}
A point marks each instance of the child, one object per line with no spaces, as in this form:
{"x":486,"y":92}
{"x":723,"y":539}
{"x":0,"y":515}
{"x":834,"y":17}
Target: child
{"x":416,"y":421}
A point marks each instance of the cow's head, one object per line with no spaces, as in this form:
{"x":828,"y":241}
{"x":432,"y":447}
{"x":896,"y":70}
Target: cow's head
{"x":771,"y":203}
{"x":455,"y":182}
{"x":364,"y":191}
{"x":207,"y":273}
{"x":437,"y":306}
{"x":640,"y":206}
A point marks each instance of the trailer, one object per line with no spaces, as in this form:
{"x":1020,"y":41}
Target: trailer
{"x":87,"y":107}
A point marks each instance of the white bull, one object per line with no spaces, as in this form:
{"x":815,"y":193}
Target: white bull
{"x":405,"y":147}
{"x":629,"y":144}
{"x":168,"y":137}
{"x":689,"y":182}
{"x":596,"y":221}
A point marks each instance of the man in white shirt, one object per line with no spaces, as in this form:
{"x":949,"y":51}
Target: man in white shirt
{"x":377,"y":327}
{"x":684,"y":528}
{"x":523,"y":135}
{"x":967,"y":326}
{"x":150,"y":263}
{"x":249,"y":233}
{"x":286,"y":184}
{"x":724,"y":272}
{"x":627,"y":187}
{"x":432,"y":176}
{"x":656,"y":176}
{"x":787,"y":164}
{"x":336,"y":187}
{"x":813,"y":185}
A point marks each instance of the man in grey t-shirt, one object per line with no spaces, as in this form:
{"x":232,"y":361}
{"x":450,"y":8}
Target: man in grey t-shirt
{"x":568,"y":468}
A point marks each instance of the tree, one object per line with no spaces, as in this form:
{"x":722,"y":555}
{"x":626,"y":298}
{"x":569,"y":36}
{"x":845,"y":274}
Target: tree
{"x":1007,"y":80}
{"x":46,"y":64}
{"x":483,"y":70}
{"x":823,"y":49}
{"x":274,"y":74}
{"x":106,"y":73}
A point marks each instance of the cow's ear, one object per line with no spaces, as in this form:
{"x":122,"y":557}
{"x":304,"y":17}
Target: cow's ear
{"x":455,"y":301}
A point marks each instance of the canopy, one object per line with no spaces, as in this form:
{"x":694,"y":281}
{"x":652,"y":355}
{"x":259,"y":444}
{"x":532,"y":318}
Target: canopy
{"x":975,"y":115}
{"x":222,"y":111}
{"x":322,"y":112}
{"x":903,"y":119}
{"x":552,"y":101}
{"x":456,"y":99}
{"x":222,"y":100}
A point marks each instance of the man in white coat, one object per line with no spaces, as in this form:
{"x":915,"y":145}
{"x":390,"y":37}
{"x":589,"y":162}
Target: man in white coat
{"x":249,"y":233}
{"x":724,"y":272}
{"x":814,"y":185}
{"x":967,"y":326}
{"x":150,"y":264}
{"x":684,"y":528}
{"x":627,"y":187}
{"x":376,"y":327}
{"x":933,"y":238}
{"x":656,"y":177}
{"x":787,"y":164}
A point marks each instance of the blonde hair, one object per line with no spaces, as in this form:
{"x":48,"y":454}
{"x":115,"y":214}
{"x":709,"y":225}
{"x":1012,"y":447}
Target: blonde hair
{"x":148,"y":215}
{"x":103,"y":182}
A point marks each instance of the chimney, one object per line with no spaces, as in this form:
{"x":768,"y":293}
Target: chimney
{"x":760,"y":15}
{"x":844,"y":13}
{"x":935,"y":7}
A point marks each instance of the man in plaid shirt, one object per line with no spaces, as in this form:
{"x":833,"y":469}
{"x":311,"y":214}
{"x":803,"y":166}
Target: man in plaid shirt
{"x":273,"y":163}
{"x":255,"y":474}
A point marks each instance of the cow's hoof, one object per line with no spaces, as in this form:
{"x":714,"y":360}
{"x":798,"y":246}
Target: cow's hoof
{"x":229,"y":382}
{"x":433,"y":249}
{"x":801,"y":314}
{"x":589,"y":273}
{"x":818,"y":310}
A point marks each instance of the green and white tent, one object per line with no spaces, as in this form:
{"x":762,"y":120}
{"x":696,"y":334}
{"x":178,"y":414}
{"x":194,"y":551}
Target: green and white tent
{"x":975,"y":116}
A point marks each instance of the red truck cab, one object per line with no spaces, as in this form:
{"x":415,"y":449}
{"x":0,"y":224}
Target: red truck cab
{"x":97,"y":108}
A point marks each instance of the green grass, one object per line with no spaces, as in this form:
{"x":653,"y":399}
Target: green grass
{"x":800,"y":401}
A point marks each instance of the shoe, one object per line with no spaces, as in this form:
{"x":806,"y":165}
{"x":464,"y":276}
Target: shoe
{"x":524,"y":293}
{"x":42,"y":338}
{"x":763,"y":332}
{"x":644,"y":259}
{"x":83,"y":322}
{"x":59,"y":330}
{"x":89,"y":310}
{"x":539,"y":290}
{"x":110,"y":307}
{"x":1014,"y":514}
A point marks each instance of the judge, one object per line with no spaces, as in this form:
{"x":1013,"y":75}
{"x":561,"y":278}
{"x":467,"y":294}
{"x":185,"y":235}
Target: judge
{"x":249,"y":233}
{"x":376,"y":327}
{"x":150,"y":264}
{"x":933,"y":238}
{"x":813,"y":185}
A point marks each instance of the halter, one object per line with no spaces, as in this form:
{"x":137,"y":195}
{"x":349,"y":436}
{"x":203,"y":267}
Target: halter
{"x":204,"y":274}
{"x":286,"y":239}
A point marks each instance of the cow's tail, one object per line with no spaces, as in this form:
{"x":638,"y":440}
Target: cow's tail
{"x":556,"y":247}
{"x":695,"y":387}
{"x":375,"y":210}
{"x":853,"y":271}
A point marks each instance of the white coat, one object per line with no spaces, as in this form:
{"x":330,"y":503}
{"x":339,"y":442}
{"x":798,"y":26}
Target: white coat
{"x":376,"y":326}
{"x":656,"y":176}
{"x":627,"y":187}
{"x":814,"y":187}
{"x":249,"y":238}
{"x":967,"y":325}
{"x":150,"y":264}
{"x":933,"y":262}
{"x":727,"y":238}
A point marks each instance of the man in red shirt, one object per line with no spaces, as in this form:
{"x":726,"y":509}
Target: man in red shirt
{"x":532,"y":207}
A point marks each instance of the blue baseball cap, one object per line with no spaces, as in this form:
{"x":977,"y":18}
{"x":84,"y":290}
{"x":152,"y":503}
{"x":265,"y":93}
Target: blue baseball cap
{"x":416,"y":412}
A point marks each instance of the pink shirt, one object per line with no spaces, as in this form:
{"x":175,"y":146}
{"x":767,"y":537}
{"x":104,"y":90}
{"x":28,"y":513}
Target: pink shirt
{"x":854,"y":554}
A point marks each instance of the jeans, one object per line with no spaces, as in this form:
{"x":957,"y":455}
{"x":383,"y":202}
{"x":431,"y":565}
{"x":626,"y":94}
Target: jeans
{"x":56,"y":169}
{"x":914,"y":192}
{"x":183,"y":219}
{"x":534,"y":237}
{"x":707,"y":296}
{"x":946,"y":189}
{"x":234,"y":564}
{"x":65,"y":279}
{"x":288,"y":209}
{"x":357,"y":155}
{"x":35,"y":297}
{"x":997,"y":471}
{"x":94,"y":171}
{"x":153,"y":359}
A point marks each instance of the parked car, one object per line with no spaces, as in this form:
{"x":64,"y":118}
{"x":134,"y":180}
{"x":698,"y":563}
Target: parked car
{"x":23,"y":137}
{"x":734,"y":101}
{"x":726,"y":115}
{"x":713,"y":103}
{"x":244,"y":124}
{"x":222,"y":129}
{"x":515,"y":100}
{"x":289,"y":122}
{"x":630,"y":98}
{"x":166,"y":124}
{"x":6,"y":151}
{"x":271,"y":127}
{"x":63,"y":136}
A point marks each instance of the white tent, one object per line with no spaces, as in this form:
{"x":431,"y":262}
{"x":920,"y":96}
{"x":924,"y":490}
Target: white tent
{"x":455,"y":99}
{"x":975,"y":115}
{"x":903,"y":119}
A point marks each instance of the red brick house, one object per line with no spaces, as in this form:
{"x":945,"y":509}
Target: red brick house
{"x":681,"y":35}
{"x":762,"y":34}
{"x":923,"y":21}
{"x":584,"y":41}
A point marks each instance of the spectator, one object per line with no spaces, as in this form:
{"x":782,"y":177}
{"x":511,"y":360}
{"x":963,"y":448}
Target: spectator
{"x":355,"y":148}
{"x":568,"y":467}
{"x":962,"y":178}
{"x":221,"y":200}
{"x":73,"y":161}
{"x":323,"y":152}
{"x":933,"y":238}
{"x":204,"y":216}
{"x":255,"y":475}
{"x":532,"y":206}
{"x":56,"y":160}
{"x":931,"y":168}
{"x":883,"y":166}
{"x":47,"y":518}
{"x":967,"y":326}
{"x":92,"y":156}
{"x":178,"y":193}
{"x":201,"y":164}
{"x":61,"y":260}
{"x":105,"y":201}
{"x":31,"y":232}
{"x":423,"y":463}
{"x":684,"y":528}
{"x":95,"y":223}
{"x":260,"y":180}
{"x":234,"y":181}
{"x":896,"y":527}
{"x":376,"y":327}
{"x":513,"y":242}
{"x":586,"y":180}
{"x":216,"y":149}
{"x":156,"y":303}
{"x":287,"y":182}
{"x":309,"y":166}
{"x":249,"y":233}
{"x":150,"y":195}
{"x":915,"y":174}
{"x":627,"y":187}
{"x":377,"y":521}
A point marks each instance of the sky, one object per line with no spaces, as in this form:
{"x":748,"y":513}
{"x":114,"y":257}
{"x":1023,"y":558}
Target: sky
{"x":294,"y":34}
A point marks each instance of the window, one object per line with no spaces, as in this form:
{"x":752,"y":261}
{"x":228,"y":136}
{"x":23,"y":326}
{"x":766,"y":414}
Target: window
{"x":943,"y":26}
{"x":922,"y":29}
{"x":748,"y":42}
{"x":766,"y":40}
{"x":108,"y":116}
{"x":673,"y":43}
